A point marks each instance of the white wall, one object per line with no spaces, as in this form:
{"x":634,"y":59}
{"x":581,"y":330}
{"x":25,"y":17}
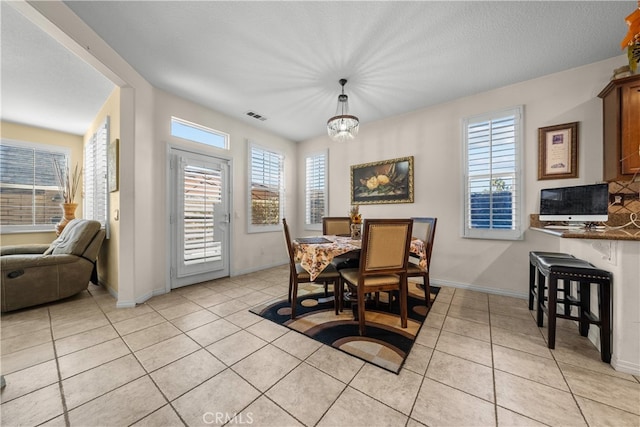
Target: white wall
{"x":433,"y":137}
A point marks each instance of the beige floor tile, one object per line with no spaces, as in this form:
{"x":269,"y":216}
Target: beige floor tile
{"x":507,"y":418}
{"x":471,"y":294}
{"x":100,"y":380}
{"x":267,"y":330}
{"x":194,"y":320}
{"x":439,"y":307}
{"x":336,"y":363}
{"x":165,"y":352}
{"x":252,"y":368}
{"x":194,"y":292}
{"x":256,"y":298}
{"x":86,"y":324}
{"x":616,"y":392}
{"x":467,"y":348}
{"x":163,"y":417}
{"x":587,"y":358}
{"x":440,"y":405}
{"x":184,"y":374}
{"x":263,"y":412}
{"x":122,"y":314}
{"x":138,"y":323}
{"x":297,"y":344}
{"x":212,"y":300}
{"x":235,"y":347}
{"x":150,"y":336}
{"x":434,"y":320}
{"x":34,"y":408}
{"x":166,"y":300}
{"x":58,"y":421}
{"x":523,"y":342}
{"x":21,"y":342}
{"x":520,"y":311}
{"x":21,"y":328}
{"x":306,"y":393}
{"x":212,"y":332}
{"x":515,"y":324}
{"x":418,"y":359}
{"x":472,"y":303}
{"x":84,"y":340}
{"x":468,"y":328}
{"x":427,"y":336}
{"x":396,"y":390}
{"x":466,"y":313}
{"x":414,"y":423}
{"x":599,"y":414}
{"x":243,"y":318}
{"x":15,"y":317}
{"x":238,"y":292}
{"x":179,"y":310}
{"x":529,"y":366}
{"x":28,"y":357}
{"x":457,"y":373}
{"x":220,"y":397}
{"x":229,"y":307}
{"x":537,"y":401}
{"x":122,"y":406}
{"x":28,"y":380}
{"x":91,"y":357}
{"x":357,"y":409}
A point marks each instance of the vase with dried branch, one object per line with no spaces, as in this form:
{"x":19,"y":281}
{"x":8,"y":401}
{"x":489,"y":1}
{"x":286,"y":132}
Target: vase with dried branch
{"x":68,"y":184}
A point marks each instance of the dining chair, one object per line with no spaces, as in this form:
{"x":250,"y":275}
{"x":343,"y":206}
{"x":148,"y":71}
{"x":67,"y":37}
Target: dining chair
{"x":297,"y":274}
{"x":384,"y":257}
{"x":414,"y":269}
{"x":336,"y":226}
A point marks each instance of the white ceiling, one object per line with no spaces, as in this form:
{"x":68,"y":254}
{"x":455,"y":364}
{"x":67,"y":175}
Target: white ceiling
{"x":283,"y":59}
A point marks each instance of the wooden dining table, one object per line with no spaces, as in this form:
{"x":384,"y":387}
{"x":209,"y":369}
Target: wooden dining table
{"x":315,"y":253}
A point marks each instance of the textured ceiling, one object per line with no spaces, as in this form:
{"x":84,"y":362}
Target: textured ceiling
{"x":283,"y":59}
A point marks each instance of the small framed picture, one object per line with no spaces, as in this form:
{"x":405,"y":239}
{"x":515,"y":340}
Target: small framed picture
{"x":558,"y":151}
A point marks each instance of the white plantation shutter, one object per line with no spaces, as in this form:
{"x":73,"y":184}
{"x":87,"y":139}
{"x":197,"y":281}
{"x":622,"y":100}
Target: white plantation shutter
{"x":493,"y":184}
{"x":266,"y":189}
{"x":315,"y":190}
{"x":96,"y":200}
{"x":29,"y":194}
{"x":202,"y":192}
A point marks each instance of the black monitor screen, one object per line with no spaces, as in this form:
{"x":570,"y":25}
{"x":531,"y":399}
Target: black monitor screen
{"x":582,"y":203}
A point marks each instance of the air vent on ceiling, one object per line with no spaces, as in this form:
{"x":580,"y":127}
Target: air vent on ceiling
{"x":256,"y":116}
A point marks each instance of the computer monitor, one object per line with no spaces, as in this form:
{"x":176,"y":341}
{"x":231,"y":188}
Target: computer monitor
{"x":581,"y":203}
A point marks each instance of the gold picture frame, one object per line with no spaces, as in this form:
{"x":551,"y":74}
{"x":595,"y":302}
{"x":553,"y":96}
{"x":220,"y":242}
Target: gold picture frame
{"x":387,"y":181}
{"x":558,"y":151}
{"x":112,"y":166}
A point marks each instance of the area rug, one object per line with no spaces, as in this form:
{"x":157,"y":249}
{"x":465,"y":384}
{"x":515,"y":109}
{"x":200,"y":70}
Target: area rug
{"x":386,"y":344}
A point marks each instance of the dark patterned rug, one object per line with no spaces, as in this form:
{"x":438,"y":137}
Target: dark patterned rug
{"x":386,"y":345}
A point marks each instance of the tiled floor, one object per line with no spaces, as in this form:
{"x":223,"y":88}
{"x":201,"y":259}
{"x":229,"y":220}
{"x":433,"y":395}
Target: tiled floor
{"x":197,"y":356}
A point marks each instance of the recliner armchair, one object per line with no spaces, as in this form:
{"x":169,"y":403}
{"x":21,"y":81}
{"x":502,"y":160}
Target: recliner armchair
{"x":36,"y":274}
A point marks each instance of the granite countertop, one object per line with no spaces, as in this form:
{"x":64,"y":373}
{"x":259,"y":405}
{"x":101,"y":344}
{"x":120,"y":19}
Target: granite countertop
{"x":608,"y":233}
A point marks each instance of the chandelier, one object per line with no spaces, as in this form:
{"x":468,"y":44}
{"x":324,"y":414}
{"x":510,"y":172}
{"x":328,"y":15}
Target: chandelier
{"x":343,"y":127}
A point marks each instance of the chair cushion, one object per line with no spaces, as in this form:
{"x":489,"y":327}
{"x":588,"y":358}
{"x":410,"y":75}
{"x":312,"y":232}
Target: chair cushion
{"x":351,"y":276}
{"x":75,"y":238}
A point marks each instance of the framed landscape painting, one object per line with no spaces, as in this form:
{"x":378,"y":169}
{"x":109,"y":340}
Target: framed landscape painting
{"x":387,"y":181}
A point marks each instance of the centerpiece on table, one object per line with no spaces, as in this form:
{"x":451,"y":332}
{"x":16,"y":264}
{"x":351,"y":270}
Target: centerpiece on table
{"x":356,"y":222}
{"x":68,"y":186}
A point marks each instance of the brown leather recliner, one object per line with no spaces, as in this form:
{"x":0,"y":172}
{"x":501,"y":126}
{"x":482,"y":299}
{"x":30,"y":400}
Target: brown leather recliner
{"x":37,"y":274}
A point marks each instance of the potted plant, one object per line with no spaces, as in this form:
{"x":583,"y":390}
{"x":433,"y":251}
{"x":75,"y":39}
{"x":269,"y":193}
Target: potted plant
{"x":68,"y":184}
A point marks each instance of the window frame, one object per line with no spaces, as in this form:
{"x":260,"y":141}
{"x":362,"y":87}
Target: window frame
{"x":517,"y":197}
{"x":264,"y":228}
{"x":99,"y":184}
{"x":35,"y":228}
{"x":200,"y":128}
{"x":325,"y":189}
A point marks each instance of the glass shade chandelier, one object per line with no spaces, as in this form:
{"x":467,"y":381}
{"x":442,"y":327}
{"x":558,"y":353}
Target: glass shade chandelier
{"x":343,"y":127}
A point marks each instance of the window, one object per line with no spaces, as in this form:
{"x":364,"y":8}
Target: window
{"x":493,"y":187}
{"x":197,"y":133}
{"x":29,"y":194}
{"x":96,"y":201}
{"x":315,"y":190}
{"x":266,"y":189}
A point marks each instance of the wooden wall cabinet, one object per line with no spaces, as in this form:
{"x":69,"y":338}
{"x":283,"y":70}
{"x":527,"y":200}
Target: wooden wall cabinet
{"x":621,"y":125}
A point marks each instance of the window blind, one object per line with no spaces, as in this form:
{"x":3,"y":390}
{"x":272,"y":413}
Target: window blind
{"x":96,"y":202}
{"x":315,"y":189}
{"x":29,"y":194}
{"x":266,"y":188}
{"x":493,"y":195}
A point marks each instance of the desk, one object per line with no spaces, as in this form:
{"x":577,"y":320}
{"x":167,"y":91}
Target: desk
{"x":315,"y":257}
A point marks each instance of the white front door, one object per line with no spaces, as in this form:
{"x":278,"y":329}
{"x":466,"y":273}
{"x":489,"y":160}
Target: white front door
{"x":199,"y":217}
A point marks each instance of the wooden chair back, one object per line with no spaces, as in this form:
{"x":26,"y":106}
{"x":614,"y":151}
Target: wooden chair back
{"x":385,"y":246}
{"x":287,"y":238}
{"x":425,"y":228}
{"x":336,"y":226}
